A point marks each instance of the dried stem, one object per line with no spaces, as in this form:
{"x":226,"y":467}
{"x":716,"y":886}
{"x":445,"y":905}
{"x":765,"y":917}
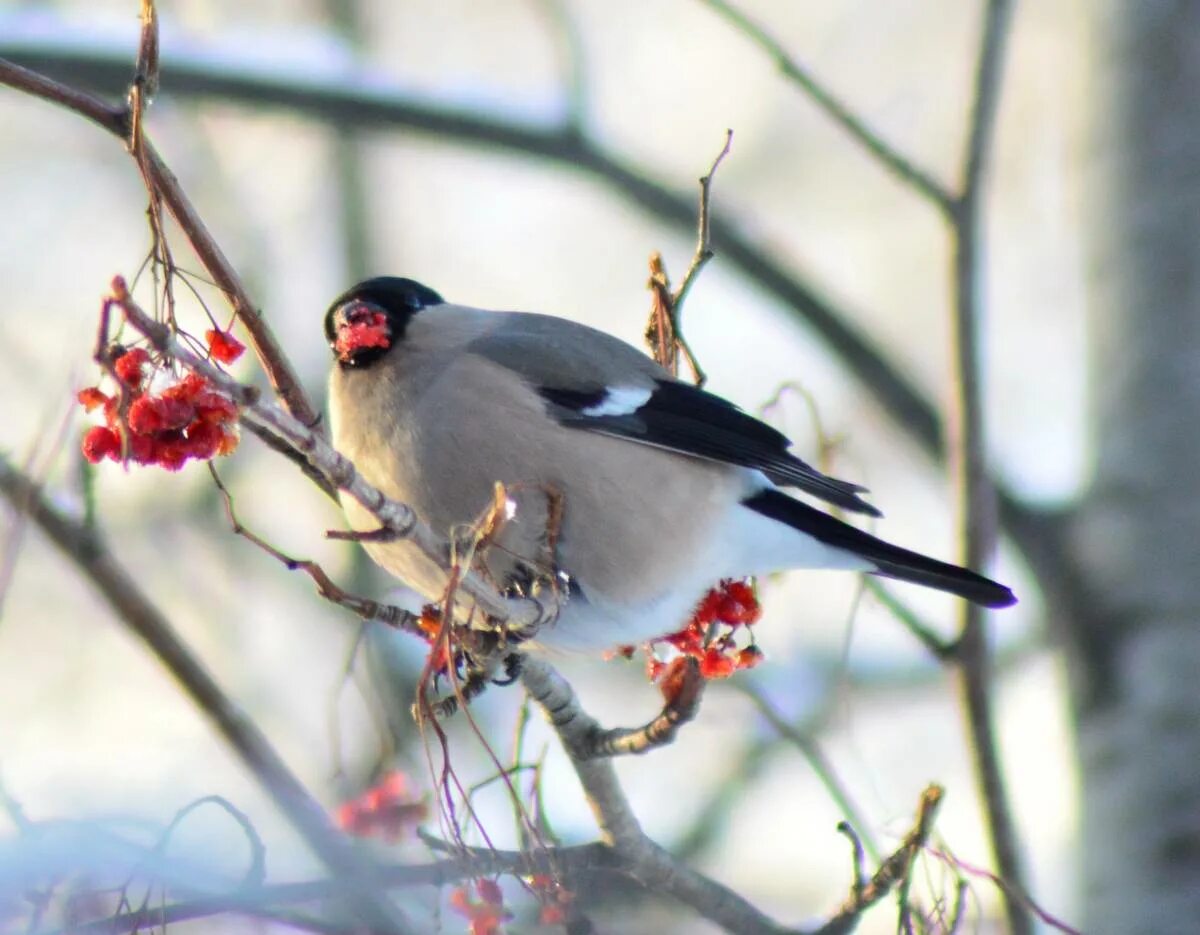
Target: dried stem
{"x":894,"y":872}
{"x":704,"y":251}
{"x":663,"y":331}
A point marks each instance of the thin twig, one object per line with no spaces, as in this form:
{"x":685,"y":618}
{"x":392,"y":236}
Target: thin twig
{"x":961,"y":866}
{"x":894,"y":872}
{"x":120,"y":590}
{"x":664,"y":332}
{"x":369,"y":610}
{"x":704,"y":250}
{"x":889,"y":157}
{"x":117,"y":120}
{"x":912,"y":621}
{"x":816,"y":758}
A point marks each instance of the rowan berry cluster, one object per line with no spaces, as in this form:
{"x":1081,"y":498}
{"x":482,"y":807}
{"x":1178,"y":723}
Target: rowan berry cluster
{"x":486,"y":914}
{"x":713,"y":637}
{"x":189,"y":420}
{"x":388,"y":810}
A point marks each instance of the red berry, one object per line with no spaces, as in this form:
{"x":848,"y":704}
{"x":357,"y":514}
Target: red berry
{"x":91,"y":397}
{"x":101,"y":442}
{"x":229,"y":441}
{"x":130,"y":367}
{"x":203,"y":440}
{"x":369,"y":330}
{"x":490,"y":892}
{"x":172,"y":453}
{"x":223,"y":345}
{"x":716,"y":665}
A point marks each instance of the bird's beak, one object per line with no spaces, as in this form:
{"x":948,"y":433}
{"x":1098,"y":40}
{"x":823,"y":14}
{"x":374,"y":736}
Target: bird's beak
{"x":358,"y":329}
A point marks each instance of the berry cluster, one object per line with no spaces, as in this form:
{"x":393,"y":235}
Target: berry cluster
{"x":190,"y":420}
{"x":485,"y":914}
{"x":712,"y":635}
{"x":555,"y":899}
{"x":387,"y":810}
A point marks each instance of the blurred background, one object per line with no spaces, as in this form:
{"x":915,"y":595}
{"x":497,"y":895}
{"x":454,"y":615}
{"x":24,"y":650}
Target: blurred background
{"x":97,"y":743}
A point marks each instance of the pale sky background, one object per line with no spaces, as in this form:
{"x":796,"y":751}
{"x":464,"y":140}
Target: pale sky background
{"x":91,"y":730}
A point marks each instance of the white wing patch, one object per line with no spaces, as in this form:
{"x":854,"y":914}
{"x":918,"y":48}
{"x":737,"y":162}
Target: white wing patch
{"x":620,"y":401}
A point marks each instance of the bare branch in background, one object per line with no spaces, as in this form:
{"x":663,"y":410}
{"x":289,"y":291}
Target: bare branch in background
{"x":976,"y":492}
{"x":90,"y":555}
{"x":574,"y":63}
{"x":974,"y":488}
{"x":582,"y":862}
{"x":816,"y":758}
{"x":887,"y":155}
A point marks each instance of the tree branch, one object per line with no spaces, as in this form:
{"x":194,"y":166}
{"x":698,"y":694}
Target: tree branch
{"x":974,"y":489}
{"x":260,"y":901}
{"x":117,"y":120}
{"x":642,"y":859}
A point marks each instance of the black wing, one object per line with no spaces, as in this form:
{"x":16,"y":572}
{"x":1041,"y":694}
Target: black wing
{"x":684,"y":418}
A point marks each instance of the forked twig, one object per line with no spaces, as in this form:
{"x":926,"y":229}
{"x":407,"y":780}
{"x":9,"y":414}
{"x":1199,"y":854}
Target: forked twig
{"x":895,"y":871}
{"x":663,"y":331}
{"x":369,"y":610}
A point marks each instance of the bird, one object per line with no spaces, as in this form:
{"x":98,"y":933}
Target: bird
{"x":635,"y":491}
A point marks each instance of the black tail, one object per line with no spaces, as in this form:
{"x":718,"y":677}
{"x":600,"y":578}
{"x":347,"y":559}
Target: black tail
{"x":889,"y":560}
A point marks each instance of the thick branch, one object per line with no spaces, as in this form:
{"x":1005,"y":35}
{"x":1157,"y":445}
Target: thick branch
{"x":576,"y":861}
{"x":641,"y":858}
{"x":119,"y":589}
